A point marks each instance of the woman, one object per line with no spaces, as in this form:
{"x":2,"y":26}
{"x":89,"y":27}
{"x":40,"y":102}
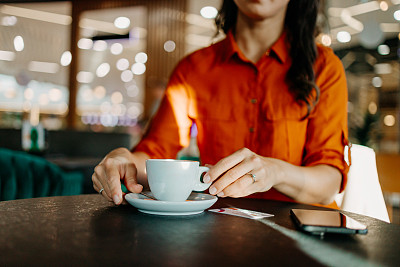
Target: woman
{"x":269,"y":104}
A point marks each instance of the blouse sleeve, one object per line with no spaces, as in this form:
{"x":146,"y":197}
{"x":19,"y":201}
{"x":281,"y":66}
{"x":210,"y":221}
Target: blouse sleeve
{"x":327,"y":132}
{"x":169,"y":129}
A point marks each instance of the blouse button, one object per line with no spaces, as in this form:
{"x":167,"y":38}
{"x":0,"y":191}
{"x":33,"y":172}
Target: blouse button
{"x":253,"y":101}
{"x":251,"y":129}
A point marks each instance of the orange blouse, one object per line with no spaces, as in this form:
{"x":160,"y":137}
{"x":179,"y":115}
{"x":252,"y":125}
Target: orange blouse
{"x":236,"y":103}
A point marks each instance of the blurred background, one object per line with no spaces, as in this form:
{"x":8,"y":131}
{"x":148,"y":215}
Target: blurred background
{"x":86,"y":76}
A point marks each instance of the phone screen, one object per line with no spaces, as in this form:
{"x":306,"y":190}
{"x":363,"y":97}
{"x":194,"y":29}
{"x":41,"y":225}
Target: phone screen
{"x":320,"y":221}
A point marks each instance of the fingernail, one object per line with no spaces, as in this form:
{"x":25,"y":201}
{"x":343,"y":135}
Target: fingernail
{"x":213,"y":190}
{"x":138,"y":187}
{"x":206,"y":178}
{"x":116,"y":199}
{"x":220,"y":194}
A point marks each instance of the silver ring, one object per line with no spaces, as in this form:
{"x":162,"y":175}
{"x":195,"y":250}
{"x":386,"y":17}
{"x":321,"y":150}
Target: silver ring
{"x":101,"y":190}
{"x":253,"y":176}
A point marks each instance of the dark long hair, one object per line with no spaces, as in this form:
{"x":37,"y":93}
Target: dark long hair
{"x":300,"y":25}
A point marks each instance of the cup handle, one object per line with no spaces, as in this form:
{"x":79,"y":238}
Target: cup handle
{"x":199,"y":186}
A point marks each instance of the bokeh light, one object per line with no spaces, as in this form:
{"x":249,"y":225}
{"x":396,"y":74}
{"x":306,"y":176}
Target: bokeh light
{"x":127,"y":76}
{"x":66,"y":58}
{"x":377,"y":82}
{"x":169,"y":46}
{"x":122,"y":22}
{"x":208,"y":12}
{"x":19,"y":43}
{"x":116,"y":98}
{"x":122,"y":64}
{"x":383,"y":49}
{"x":116,"y":48}
{"x":138,"y":68}
{"x":141,"y":57}
{"x":100,"y":45}
{"x":389,"y":120}
{"x":343,"y":37}
{"x":103,"y":69}
{"x":85,"y":43}
{"x":99,"y":92}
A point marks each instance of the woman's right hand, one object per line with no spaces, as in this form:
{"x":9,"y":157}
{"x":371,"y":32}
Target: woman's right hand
{"x":116,"y":166}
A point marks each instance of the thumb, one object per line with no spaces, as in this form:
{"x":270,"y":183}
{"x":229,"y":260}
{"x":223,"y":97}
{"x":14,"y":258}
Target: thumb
{"x":130,"y":179}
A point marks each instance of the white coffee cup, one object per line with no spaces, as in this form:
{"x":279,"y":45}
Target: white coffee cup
{"x":174,"y":180}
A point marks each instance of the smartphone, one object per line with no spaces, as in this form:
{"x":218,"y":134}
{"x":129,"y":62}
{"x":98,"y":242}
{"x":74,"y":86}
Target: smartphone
{"x":319,"y":222}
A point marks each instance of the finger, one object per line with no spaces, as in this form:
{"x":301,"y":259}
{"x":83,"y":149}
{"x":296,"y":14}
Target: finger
{"x":113,"y":180}
{"x":231,"y":176}
{"x":97,"y":186}
{"x":96,"y":183}
{"x":124,"y":202}
{"x":130,"y":178}
{"x":226,"y":164}
{"x":100,"y":178}
{"x":103,"y":193}
{"x":243,"y":186}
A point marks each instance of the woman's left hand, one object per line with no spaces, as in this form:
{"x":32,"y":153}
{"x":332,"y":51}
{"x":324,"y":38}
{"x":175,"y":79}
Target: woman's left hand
{"x":243,"y":173}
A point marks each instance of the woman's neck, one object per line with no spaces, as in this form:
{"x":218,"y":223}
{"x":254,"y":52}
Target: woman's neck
{"x":255,"y":37}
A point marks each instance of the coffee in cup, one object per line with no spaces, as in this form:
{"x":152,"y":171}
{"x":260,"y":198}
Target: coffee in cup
{"x":174,"y":180}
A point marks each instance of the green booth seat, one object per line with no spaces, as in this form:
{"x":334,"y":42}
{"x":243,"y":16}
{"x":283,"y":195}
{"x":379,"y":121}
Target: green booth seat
{"x":23,"y":175}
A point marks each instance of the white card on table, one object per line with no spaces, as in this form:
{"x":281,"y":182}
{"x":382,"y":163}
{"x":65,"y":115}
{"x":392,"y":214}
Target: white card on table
{"x":250,"y":214}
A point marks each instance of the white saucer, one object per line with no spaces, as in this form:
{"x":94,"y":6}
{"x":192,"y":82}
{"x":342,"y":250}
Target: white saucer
{"x":195,"y":204}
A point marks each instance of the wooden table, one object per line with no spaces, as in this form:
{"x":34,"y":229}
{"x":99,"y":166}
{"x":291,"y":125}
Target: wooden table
{"x":87,"y":230}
